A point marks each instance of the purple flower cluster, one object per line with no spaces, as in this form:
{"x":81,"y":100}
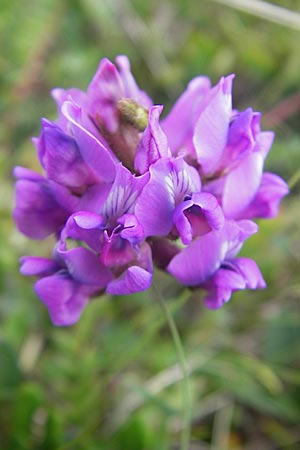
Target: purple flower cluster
{"x":124,"y":190}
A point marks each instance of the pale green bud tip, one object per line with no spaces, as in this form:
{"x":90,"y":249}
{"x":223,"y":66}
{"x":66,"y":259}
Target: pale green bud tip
{"x":133,"y":113}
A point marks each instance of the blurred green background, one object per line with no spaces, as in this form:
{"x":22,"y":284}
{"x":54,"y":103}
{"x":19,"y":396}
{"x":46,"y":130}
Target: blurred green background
{"x":111,"y":381}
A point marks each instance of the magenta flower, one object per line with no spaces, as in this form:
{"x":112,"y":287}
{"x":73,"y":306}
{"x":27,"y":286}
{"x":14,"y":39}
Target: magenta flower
{"x":229,"y":147}
{"x":66,"y":285}
{"x":177,"y":206}
{"x":42,"y":205}
{"x":115,"y":236}
{"x":233,"y":275}
{"x":194,"y":264}
{"x":124,"y":191}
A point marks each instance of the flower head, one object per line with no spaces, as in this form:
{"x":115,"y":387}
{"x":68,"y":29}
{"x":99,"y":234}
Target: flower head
{"x":124,"y":190}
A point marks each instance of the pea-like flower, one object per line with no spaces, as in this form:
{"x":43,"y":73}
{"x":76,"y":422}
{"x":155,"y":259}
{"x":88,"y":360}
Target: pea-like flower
{"x":124,"y":191}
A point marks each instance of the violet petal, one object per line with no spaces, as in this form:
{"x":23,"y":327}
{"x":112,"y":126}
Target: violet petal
{"x":99,"y":158}
{"x":221,"y":286}
{"x":242,"y":184}
{"x":61,"y":159}
{"x":267,"y":200}
{"x":179,"y":123}
{"x":85,"y":267}
{"x":34,"y":265}
{"x":197,"y":216}
{"x":170,"y":181}
{"x":153,"y":144}
{"x":212,"y":127}
{"x":64,"y":298}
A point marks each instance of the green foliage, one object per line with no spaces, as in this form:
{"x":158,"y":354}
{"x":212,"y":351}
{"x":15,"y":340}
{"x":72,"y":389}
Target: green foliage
{"x":111,"y":382}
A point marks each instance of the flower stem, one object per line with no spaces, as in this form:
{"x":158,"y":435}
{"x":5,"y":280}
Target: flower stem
{"x":294,"y":179}
{"x":186,"y":393}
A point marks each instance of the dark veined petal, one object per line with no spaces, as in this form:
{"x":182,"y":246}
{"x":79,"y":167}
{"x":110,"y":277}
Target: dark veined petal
{"x":170,"y":181}
{"x":94,"y":197}
{"x":123,"y":194}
